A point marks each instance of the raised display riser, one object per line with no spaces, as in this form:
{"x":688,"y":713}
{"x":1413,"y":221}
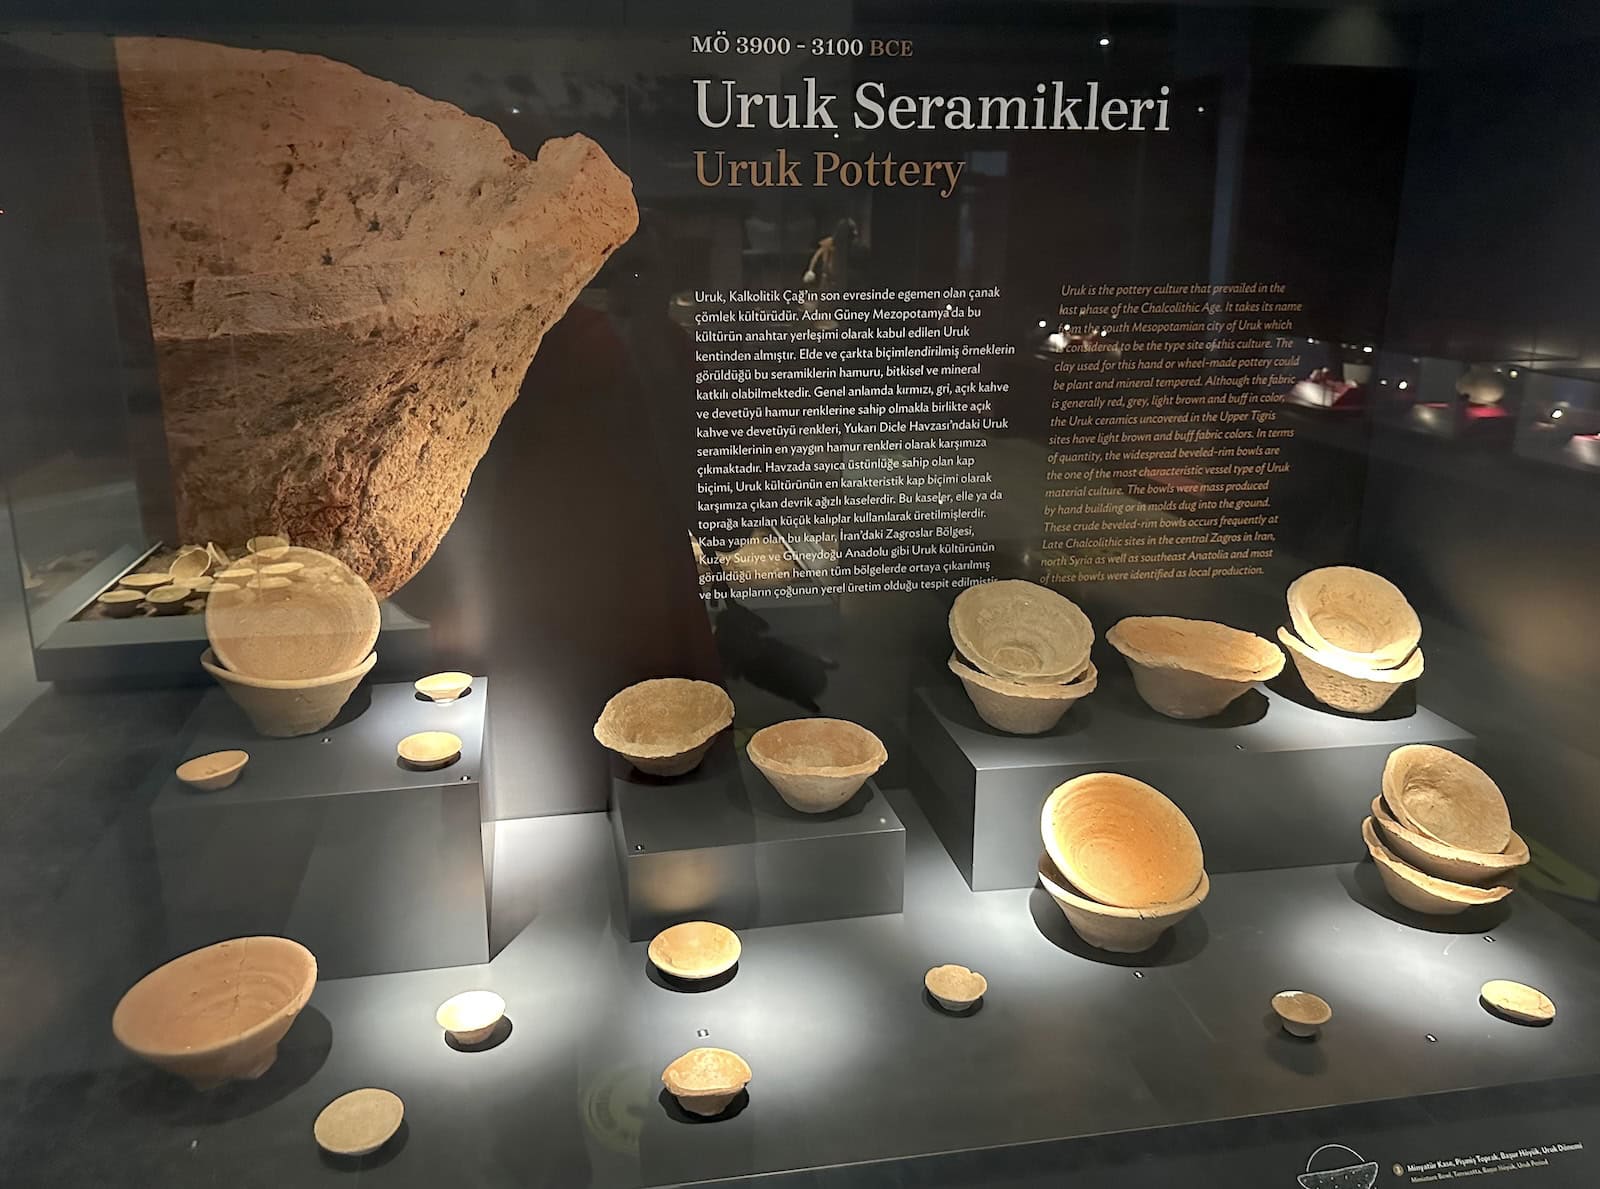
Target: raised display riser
{"x":1272,"y":782}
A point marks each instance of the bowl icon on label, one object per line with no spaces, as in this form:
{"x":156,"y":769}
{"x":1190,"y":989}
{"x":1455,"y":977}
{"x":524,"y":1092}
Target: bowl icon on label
{"x":1334,"y":1166}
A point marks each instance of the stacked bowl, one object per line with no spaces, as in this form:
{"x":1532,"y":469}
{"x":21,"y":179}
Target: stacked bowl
{"x":1022,"y":653}
{"x":1192,"y":668}
{"x":1440,"y":833}
{"x":1357,"y":638}
{"x":1121,"y":861}
{"x":291,"y":637}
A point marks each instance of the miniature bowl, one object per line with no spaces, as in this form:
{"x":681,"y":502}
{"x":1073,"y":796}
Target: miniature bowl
{"x":144,"y":581}
{"x":1191,"y":668}
{"x":443,"y":688}
{"x":1354,"y":616}
{"x":1020,"y":709}
{"x":214,"y":770}
{"x":321,"y":622}
{"x":1116,"y":930}
{"x":1343,"y":686}
{"x":1440,"y":795}
{"x":1301,"y":1013}
{"x":429,"y":749}
{"x":1020,"y":631}
{"x":1446,"y":862}
{"x":1517,"y":1001}
{"x":192,"y":562}
{"x":1121,"y":842}
{"x":706,"y":1081}
{"x":471,"y":1017}
{"x":285,"y":708}
{"x":816,"y":764}
{"x":120,"y":604}
{"x":217,"y":1014}
{"x":955,"y":988}
{"x":169,"y":599}
{"x":1421,"y":892}
{"x":267,"y":545}
{"x":358,"y":1123}
{"x":695,"y":950}
{"x":666,"y":725}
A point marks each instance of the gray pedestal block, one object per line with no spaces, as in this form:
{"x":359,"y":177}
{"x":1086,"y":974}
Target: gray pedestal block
{"x":1269,"y":783}
{"x":329,"y":839}
{"x":720,"y":844}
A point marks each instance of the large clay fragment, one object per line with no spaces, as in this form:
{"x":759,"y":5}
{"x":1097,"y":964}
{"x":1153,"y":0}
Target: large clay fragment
{"x":347,"y":281}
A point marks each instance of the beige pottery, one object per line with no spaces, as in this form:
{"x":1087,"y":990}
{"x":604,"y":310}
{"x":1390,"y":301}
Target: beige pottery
{"x":1192,"y":668}
{"x":285,"y":708}
{"x":1020,"y":709}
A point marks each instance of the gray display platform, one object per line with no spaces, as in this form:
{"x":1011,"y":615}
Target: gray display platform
{"x":720,"y":844}
{"x":330,"y":839}
{"x":1269,"y":783}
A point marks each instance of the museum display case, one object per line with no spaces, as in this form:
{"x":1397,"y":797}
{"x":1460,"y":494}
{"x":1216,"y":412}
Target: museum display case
{"x":613,"y":596}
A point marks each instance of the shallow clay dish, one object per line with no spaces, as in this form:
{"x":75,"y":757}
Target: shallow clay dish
{"x":816,"y":764}
{"x":1121,"y":842}
{"x":217,"y":1014}
{"x":1447,"y":798}
{"x":145,"y":581}
{"x":955,"y":988}
{"x":323,"y":621}
{"x":238,"y":574}
{"x":1192,"y":668}
{"x":1116,"y":930}
{"x":214,"y":770}
{"x":695,"y":950}
{"x":666,"y":725}
{"x":119,"y":604}
{"x":471,"y":1017}
{"x":1355,"y":616}
{"x":1345,"y":686}
{"x":192,"y":562}
{"x":267,"y":546}
{"x":1020,"y":631}
{"x":359,"y":1123}
{"x":1301,"y":1013}
{"x":169,"y":599}
{"x":430,"y":749}
{"x":1517,"y":1001}
{"x":1446,"y":862}
{"x":443,"y":688}
{"x":1421,"y":892}
{"x":285,"y":708}
{"x":1020,"y":709}
{"x":706,"y":1081}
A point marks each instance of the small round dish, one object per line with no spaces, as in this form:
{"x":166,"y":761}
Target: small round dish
{"x":120,"y":604}
{"x":214,"y":770}
{"x":695,"y":950}
{"x":1301,"y":1013}
{"x":955,"y":988}
{"x":430,"y":749}
{"x":1517,"y":1002}
{"x":471,"y":1017}
{"x":443,"y":688}
{"x":169,"y":599}
{"x":145,"y":581}
{"x":359,"y":1123}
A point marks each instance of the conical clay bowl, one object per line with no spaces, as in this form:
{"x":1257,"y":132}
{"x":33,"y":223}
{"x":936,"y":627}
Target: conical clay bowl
{"x":214,"y":770}
{"x":1020,"y":709}
{"x":1355,"y":616}
{"x":1345,"y":687}
{"x":1421,"y":892}
{"x":1191,"y":668}
{"x":217,"y":1014}
{"x":318,"y":619}
{"x":1446,"y":862}
{"x":706,"y":1081}
{"x":955,"y":988}
{"x":1442,"y":796}
{"x":666,"y":725}
{"x":285,"y":708}
{"x":816,"y":764}
{"x":1116,"y":930}
{"x":695,"y":950}
{"x":1119,"y":841}
{"x":1020,"y":631}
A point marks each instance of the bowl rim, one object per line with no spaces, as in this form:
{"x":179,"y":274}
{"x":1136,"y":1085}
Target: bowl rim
{"x":1324,"y":1012}
{"x":1054,"y":599}
{"x":233,"y":765}
{"x":444,"y":737}
{"x":209,"y":662}
{"x":1060,"y":889}
{"x":1402,"y":761}
{"x":461,"y":682}
{"x":664,"y":965}
{"x":1080,"y":686}
{"x":983,"y":983}
{"x":1516,"y":853}
{"x":865,"y":767}
{"x":714,"y":724}
{"x":678,"y":1090}
{"x":1472,"y":895}
{"x":495,"y":997}
{"x":1191,"y":661}
{"x":1071,"y":787}
{"x":1304,"y":623}
{"x":1407,"y":670}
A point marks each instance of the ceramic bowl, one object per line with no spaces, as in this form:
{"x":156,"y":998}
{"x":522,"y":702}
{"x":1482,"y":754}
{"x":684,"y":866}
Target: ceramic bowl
{"x":359,"y":1123}
{"x":238,"y":575}
{"x":322,"y":621}
{"x":1020,"y":631}
{"x":1191,"y":668}
{"x":193,"y":561}
{"x":429,"y":749}
{"x":267,"y":545}
{"x":120,"y":604}
{"x":666,"y":725}
{"x":1301,"y":1013}
{"x":955,"y":988}
{"x":443,"y":688}
{"x":1517,"y":1001}
{"x":285,"y":708}
{"x":1343,"y":686}
{"x":144,"y":581}
{"x":1116,"y":930}
{"x":217,"y":1014}
{"x":816,"y":764}
{"x":695,"y":950}
{"x":1440,"y":795}
{"x":471,"y":1017}
{"x":1119,"y":841}
{"x":706,"y":1081}
{"x":1020,"y":709}
{"x":214,"y":770}
{"x":1421,"y":892}
{"x":1446,"y":862}
{"x":1355,"y":616}
{"x":169,"y":599}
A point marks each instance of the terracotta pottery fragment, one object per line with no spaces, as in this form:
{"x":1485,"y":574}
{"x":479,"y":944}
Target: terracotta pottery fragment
{"x":1344,"y":686}
{"x":217,"y":1014}
{"x":695,"y":950}
{"x":1517,"y":1001}
{"x":1116,"y":930}
{"x":666,"y":725}
{"x":471,"y":1017}
{"x":1421,"y":892}
{"x":816,"y":764}
{"x":706,"y":1081}
{"x":192,"y":562}
{"x":1446,"y":862}
{"x":430,"y":749}
{"x":144,"y":581}
{"x":119,"y":604}
{"x":1355,"y":616}
{"x":1121,"y":842}
{"x":1439,"y":794}
{"x":1192,"y":668}
{"x":443,"y":688}
{"x":312,"y":623}
{"x":167,"y":600}
{"x":214,"y":770}
{"x":1021,"y":631}
{"x":1301,"y":1013}
{"x":1020,"y":709}
{"x":285,"y":708}
{"x":359,"y":1123}
{"x":955,"y":988}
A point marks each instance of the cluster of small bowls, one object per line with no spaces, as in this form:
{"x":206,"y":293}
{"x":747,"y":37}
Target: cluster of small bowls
{"x":1357,"y":640}
{"x":192,"y":574}
{"x":1022,"y":654}
{"x":1440,"y":833}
